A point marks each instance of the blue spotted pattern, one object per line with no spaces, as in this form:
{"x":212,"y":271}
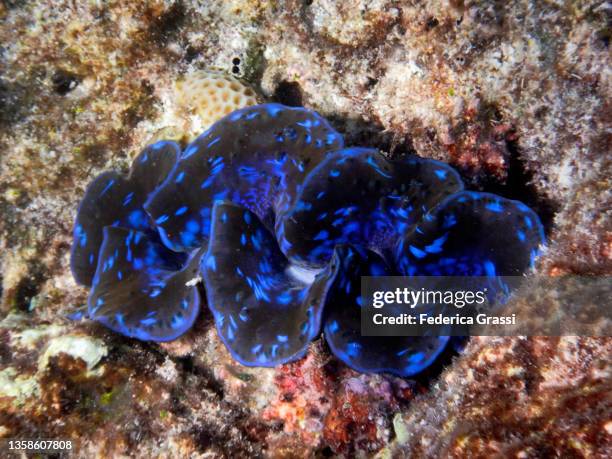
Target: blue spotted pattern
{"x":114,"y":200}
{"x":401,"y":355}
{"x":139,"y":288}
{"x":281,"y":221}
{"x":265,"y":314}
{"x":255,"y":157}
{"x":472,"y":234}
{"x":359,"y":197}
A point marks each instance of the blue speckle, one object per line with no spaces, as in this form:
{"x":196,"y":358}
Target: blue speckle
{"x":213,"y":142}
{"x":321,"y":235}
{"x":190,"y":151}
{"x":192,"y":226}
{"x":181,"y":210}
{"x":107,"y":187}
{"x":128,"y":198}
{"x":417,"y":252}
{"x":284,"y":298}
{"x":274,"y":109}
{"x":353,"y":349}
{"x":494,"y":207}
{"x":489,"y":268}
{"x":211,"y":263}
{"x":161,"y":219}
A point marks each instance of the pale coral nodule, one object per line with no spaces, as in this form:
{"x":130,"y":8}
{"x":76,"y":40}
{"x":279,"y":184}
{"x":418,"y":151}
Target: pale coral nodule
{"x":206,"y":96}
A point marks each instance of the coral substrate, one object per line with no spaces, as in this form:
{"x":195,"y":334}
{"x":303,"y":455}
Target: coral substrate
{"x":515,"y":95}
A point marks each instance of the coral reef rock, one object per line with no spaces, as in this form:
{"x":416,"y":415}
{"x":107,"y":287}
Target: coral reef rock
{"x":515,"y":95}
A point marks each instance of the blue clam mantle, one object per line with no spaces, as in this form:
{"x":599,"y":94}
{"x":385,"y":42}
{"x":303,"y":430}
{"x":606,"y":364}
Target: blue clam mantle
{"x":280,"y":220}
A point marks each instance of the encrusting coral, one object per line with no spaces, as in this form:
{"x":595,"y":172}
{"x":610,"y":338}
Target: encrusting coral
{"x":207,"y":96}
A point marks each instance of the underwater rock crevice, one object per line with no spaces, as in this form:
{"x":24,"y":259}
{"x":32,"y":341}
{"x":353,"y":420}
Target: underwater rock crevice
{"x":519,"y":185}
